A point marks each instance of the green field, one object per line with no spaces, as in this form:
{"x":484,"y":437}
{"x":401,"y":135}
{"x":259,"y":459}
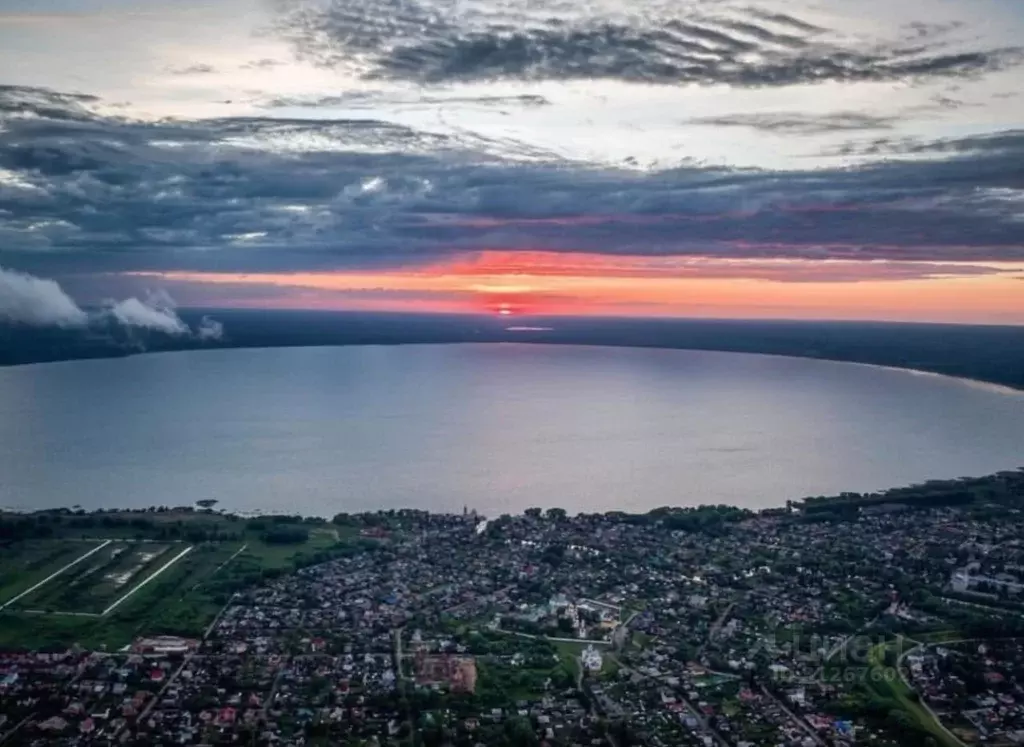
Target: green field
{"x":26,"y":563}
{"x":93,"y":584}
{"x":228,"y":554}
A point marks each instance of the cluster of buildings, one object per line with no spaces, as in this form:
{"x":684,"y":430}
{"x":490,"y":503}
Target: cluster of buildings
{"x":561,"y":631}
{"x":975,"y":686}
{"x":75,"y":696}
{"x":560,"y":616}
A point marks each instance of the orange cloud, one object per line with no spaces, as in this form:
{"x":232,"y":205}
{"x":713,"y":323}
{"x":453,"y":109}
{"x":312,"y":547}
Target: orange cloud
{"x":582,"y":283}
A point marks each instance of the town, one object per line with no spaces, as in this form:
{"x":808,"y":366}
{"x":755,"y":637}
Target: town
{"x":886,"y":620}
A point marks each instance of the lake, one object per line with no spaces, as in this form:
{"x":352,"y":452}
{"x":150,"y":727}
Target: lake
{"x":498,"y":428}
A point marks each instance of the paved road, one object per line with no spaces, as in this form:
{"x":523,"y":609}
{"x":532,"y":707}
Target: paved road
{"x":397,"y":635}
{"x":178,"y":671}
{"x":796,"y":719}
{"x":621,"y":632}
{"x":705,"y":726}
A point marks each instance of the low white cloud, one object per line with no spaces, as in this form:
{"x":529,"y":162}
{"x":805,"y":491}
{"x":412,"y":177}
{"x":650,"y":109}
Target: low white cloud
{"x":209,"y":329}
{"x":135,"y":313}
{"x":40,"y":302}
{"x":27,"y":299}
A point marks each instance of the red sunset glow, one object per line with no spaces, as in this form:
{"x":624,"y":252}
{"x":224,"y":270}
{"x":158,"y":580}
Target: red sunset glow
{"x":546,"y":283}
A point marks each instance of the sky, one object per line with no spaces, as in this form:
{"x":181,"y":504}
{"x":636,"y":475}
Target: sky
{"x":797,"y":159}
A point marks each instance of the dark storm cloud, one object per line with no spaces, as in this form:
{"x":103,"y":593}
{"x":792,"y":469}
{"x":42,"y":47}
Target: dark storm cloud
{"x":399,"y":39}
{"x":794,"y":123}
{"x":252,"y":194}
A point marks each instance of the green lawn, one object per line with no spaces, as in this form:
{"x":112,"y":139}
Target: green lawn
{"x":569,"y":654}
{"x":886,"y":682}
{"x":283,"y":556}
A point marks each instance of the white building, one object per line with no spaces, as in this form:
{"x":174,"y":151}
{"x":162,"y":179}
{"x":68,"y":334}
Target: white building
{"x":591,"y":659}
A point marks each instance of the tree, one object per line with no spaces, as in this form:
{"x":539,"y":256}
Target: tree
{"x":553,"y":554}
{"x":519,"y":732}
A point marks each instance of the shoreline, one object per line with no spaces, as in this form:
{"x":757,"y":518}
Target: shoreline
{"x":996,"y":387}
{"x":904,"y":494}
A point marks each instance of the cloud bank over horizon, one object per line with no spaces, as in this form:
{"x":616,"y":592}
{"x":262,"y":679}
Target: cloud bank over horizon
{"x":38,"y":302}
{"x":750,"y":149}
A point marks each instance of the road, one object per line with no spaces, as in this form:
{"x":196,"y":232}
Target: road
{"x":592,"y":641}
{"x":274,"y":685}
{"x":922,"y":702}
{"x":237,"y":552}
{"x":213,"y":623}
{"x":177,"y":672}
{"x":705,"y":726}
{"x":796,"y":719}
{"x":7,"y":735}
{"x":156,"y":698}
{"x":397,"y":635}
{"x":716,"y":626}
{"x":622,"y":632}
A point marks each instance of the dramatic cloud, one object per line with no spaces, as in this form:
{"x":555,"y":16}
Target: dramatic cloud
{"x":38,"y":302}
{"x":429,"y":43}
{"x":274,"y":194}
{"x":724,"y":145}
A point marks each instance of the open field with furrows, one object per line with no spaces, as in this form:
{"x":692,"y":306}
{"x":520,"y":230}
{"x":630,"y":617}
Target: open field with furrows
{"x":100,"y":580}
{"x":95,"y":583}
{"x":27,"y":563}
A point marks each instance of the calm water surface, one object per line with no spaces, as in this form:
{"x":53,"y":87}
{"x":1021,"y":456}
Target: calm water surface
{"x":498,"y":428}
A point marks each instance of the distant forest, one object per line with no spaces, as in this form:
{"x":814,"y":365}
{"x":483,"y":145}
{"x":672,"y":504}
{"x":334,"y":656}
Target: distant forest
{"x":987,"y":353}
